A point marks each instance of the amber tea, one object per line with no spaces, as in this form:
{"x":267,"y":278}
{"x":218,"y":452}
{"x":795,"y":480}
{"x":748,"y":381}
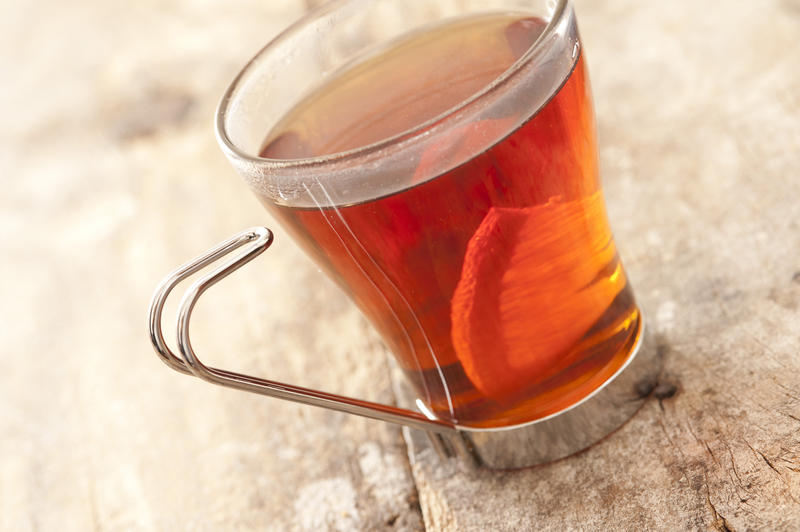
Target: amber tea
{"x":495,"y":283}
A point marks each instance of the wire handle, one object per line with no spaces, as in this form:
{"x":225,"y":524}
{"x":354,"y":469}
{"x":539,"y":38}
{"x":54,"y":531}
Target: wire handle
{"x":254,"y":241}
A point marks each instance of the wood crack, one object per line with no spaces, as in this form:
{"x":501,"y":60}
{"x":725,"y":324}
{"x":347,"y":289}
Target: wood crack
{"x":406,"y":454}
{"x":788,"y":391}
{"x":771,"y":466}
{"x":719,"y":520}
{"x":672,"y":444}
{"x":703,"y":443}
{"x":764,"y":457}
{"x":733,"y":466}
{"x":789,"y":415}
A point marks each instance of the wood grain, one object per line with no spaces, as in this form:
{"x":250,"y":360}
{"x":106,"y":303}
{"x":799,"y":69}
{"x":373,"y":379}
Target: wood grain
{"x":111,"y":177}
{"x":699,"y":126}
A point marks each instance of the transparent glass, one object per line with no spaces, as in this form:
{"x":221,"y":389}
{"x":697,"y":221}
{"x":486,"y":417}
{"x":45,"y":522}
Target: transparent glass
{"x":469,"y":227}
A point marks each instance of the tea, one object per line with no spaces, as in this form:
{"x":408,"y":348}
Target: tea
{"x":496,"y":283}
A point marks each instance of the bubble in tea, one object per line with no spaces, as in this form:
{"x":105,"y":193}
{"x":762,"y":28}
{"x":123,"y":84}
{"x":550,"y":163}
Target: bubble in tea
{"x":496,"y":282}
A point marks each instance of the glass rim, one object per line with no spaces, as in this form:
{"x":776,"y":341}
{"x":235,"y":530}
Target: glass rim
{"x":361,"y":152}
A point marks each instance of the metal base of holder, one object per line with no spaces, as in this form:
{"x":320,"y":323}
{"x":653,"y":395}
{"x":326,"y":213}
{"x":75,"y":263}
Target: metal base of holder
{"x":566,"y":432}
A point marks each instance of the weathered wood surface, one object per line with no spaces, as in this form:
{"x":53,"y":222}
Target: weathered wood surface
{"x":699,"y":120}
{"x":111,"y":177}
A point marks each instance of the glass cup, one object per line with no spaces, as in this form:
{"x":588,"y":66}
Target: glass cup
{"x":470,"y":228}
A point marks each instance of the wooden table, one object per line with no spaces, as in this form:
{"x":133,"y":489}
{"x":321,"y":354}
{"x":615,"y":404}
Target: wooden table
{"x":111,"y":177}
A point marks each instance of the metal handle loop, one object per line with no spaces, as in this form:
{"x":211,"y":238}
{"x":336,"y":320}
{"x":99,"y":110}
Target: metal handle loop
{"x":254,"y":240}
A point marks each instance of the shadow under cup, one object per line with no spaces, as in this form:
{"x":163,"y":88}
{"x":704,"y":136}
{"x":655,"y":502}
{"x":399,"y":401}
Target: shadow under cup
{"x":475,"y":238}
